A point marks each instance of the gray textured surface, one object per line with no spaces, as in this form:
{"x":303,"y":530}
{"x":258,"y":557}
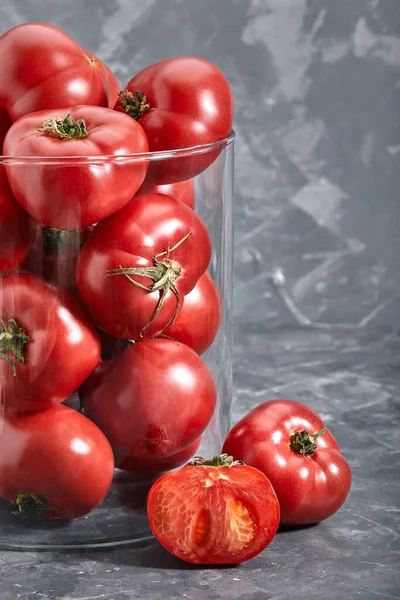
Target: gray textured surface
{"x":317,"y":88}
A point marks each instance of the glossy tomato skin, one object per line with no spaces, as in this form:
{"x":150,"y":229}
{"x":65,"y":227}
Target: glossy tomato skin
{"x":57,"y":454}
{"x":213,"y":515}
{"x":152,"y":401}
{"x":191,"y":104}
{"x":63,"y":347}
{"x":182,"y":190}
{"x":17,"y":229}
{"x":112,"y":81}
{"x":43,"y":68}
{"x":153,"y":465}
{"x":197,"y":323}
{"x":5,"y":124}
{"x":148,"y":225}
{"x":309,"y":488}
{"x":72,"y":194}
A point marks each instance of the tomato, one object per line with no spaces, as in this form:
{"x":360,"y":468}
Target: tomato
{"x":112,"y":81}
{"x":151,"y":465}
{"x":180,"y":102}
{"x":75,"y":193}
{"x":213,"y":512}
{"x":287,"y":441}
{"x":198,"y":321}
{"x":17,"y":229}
{"x":151,"y":401}
{"x":113,"y":86}
{"x":43,"y":68}
{"x":130,"y":250}
{"x":54,"y":464}
{"x":47,"y":346}
{"x":182,"y":191}
{"x":5,"y":124}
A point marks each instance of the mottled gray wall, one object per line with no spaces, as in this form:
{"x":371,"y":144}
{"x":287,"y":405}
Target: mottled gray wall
{"x":317,"y":88}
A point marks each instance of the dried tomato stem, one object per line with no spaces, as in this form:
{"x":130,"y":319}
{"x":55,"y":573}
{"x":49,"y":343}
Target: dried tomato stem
{"x":64,"y":129}
{"x":304,"y":443}
{"x":12,"y":339}
{"x":28,"y":505}
{"x":134,"y":104}
{"x":164,"y":273}
{"x":223,"y":460}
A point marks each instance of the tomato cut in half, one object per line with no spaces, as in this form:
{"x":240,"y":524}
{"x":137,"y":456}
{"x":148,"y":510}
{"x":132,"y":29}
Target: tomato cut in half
{"x":213,"y":512}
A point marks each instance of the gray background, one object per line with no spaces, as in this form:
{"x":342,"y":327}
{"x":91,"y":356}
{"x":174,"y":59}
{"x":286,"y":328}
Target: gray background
{"x":317,"y":89}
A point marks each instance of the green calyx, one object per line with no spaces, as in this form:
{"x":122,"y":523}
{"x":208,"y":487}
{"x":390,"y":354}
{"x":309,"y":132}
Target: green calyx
{"x":223,"y":460}
{"x":28,"y":505}
{"x":64,"y":129}
{"x":164,"y":273}
{"x":134,"y":104}
{"x":304,"y":443}
{"x":12,"y":339}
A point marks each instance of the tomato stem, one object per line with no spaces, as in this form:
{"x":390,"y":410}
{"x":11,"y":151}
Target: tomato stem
{"x":12,"y":339}
{"x":223,"y":460}
{"x":28,"y":505}
{"x":64,"y":129}
{"x":304,"y":443}
{"x":164,"y":273}
{"x":56,"y":239}
{"x":134,"y":104}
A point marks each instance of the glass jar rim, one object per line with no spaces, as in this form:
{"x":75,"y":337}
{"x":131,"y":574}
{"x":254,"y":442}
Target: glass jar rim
{"x":138,"y":157}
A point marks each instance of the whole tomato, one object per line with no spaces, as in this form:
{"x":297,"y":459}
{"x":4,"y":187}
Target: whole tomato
{"x":153,"y":400}
{"x":74,"y":192}
{"x":17,"y":229}
{"x":138,"y":265}
{"x":181,"y":190}
{"x":180,"y":102}
{"x":288,"y":442}
{"x":54,"y":464}
{"x":152,"y":465}
{"x":47,"y":346}
{"x":5,"y":124}
{"x":198,"y":321}
{"x":213,"y":512}
{"x":43,"y":68}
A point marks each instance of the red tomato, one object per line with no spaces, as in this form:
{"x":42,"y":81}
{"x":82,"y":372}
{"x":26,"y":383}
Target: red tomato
{"x":182,"y":191}
{"x":310,"y":476}
{"x":213,"y":512}
{"x":43,"y":68}
{"x":152,"y":465}
{"x":180,"y":102}
{"x":130,"y":249}
{"x":54,"y":464}
{"x":17,"y":229}
{"x":198,"y":321}
{"x":153,"y":400}
{"x":5,"y":124}
{"x":46,"y":340}
{"x":113,"y":85}
{"x":74,"y":194}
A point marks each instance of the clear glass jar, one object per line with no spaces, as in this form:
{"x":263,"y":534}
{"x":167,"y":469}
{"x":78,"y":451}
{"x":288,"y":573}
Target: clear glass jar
{"x":51,"y":340}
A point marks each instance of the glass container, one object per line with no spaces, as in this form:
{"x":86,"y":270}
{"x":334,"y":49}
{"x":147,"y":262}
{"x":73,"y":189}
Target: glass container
{"x":85,"y":309}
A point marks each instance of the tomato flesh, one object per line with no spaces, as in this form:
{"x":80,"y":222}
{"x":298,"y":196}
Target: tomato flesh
{"x":213,"y":515}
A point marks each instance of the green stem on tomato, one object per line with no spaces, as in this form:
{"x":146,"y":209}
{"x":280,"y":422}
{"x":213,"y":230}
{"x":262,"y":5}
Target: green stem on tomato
{"x":223,"y":460}
{"x":12,"y":339}
{"x":134,"y":104}
{"x":64,"y":129}
{"x":303,"y":442}
{"x":28,"y":505}
{"x":164,"y":273}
